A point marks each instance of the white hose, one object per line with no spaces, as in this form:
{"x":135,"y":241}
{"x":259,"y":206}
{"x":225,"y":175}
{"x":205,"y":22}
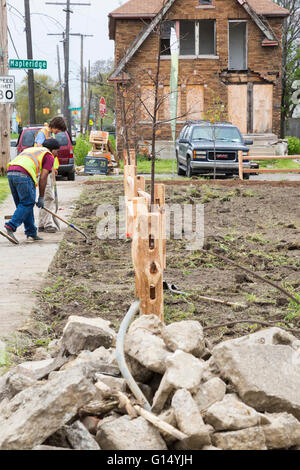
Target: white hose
{"x":121,"y":356}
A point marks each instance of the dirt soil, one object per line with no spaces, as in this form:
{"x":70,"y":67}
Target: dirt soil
{"x":256,"y":225}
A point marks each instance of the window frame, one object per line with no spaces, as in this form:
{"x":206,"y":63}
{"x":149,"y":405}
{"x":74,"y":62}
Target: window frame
{"x":197,"y":55}
{"x":246,"y":43}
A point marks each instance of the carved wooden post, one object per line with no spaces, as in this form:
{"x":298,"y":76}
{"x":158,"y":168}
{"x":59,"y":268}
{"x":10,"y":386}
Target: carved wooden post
{"x":147,"y":254}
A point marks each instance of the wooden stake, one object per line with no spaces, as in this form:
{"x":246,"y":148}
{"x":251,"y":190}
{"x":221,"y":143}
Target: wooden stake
{"x":148,"y":263}
{"x":240,"y":156}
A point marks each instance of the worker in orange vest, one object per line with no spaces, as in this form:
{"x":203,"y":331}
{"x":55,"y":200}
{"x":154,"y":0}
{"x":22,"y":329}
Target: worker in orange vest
{"x":56,"y":125}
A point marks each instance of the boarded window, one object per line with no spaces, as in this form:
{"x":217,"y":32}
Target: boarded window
{"x":207,"y":37}
{"x":187,"y":38}
{"x":237,"y":45}
{"x":195,"y":101}
{"x":147,"y":105}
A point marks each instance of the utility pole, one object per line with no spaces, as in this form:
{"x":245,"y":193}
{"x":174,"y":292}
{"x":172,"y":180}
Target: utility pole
{"x":67,"y":112}
{"x":31,"y":100}
{"x":82,"y":36}
{"x":59,"y":79}
{"x":4,"y":108}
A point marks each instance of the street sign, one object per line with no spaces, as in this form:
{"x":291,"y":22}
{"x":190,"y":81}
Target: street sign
{"x":27,"y":64}
{"x":91,"y":122}
{"x":102,"y":107}
{"x":7,"y":89}
{"x":74,"y":109}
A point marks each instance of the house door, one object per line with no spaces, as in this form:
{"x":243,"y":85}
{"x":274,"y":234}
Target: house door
{"x":262,"y":108}
{"x":237,"y":106}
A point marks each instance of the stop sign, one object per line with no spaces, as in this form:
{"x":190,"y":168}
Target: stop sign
{"x":102,"y":107}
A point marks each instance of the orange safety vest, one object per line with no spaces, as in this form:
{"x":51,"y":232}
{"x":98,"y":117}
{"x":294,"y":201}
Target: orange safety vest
{"x":46,"y":131}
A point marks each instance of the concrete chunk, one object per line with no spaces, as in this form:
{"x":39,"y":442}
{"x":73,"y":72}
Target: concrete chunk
{"x":143,"y":343}
{"x":185,"y":335}
{"x":82,"y":333}
{"x":38,"y":411}
{"x":231,"y":414}
{"x":246,"y":439}
{"x":266,"y":376}
{"x":283,"y":432}
{"x":210,"y":392}
{"x":183,"y":371}
{"x":127,"y":434}
{"x":79,"y":437}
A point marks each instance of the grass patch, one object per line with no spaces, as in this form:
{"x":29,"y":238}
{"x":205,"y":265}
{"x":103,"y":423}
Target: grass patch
{"x":4,"y":188}
{"x":161,"y":166}
{"x":279,"y":164}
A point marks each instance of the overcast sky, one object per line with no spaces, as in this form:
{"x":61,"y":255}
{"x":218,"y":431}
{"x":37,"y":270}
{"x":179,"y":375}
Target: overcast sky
{"x":85,"y":20}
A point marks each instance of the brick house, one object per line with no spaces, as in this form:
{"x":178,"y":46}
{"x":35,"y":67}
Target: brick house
{"x":230,"y":58}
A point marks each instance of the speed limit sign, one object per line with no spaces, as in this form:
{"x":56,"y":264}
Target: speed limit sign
{"x":7,"y":89}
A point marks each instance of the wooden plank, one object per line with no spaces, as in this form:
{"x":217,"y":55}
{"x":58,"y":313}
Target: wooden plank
{"x":194,"y":101}
{"x":240,"y":157}
{"x":159,"y":206}
{"x":262,"y":108}
{"x":237,"y":106}
{"x":290,"y":157}
{"x":140,"y":183}
{"x":284,"y":170}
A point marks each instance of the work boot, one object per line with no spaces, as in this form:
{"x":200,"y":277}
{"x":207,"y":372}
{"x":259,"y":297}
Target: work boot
{"x":34,"y":237}
{"x":10,"y":233}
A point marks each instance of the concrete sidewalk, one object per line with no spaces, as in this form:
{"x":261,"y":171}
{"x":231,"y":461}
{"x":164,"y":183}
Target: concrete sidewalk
{"x":24,"y":266}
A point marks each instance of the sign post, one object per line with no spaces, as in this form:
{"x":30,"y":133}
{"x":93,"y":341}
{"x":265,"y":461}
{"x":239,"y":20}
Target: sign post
{"x":102,"y":110}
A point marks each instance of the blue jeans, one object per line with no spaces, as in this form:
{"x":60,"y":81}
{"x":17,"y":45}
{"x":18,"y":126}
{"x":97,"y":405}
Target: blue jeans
{"x":24,"y":193}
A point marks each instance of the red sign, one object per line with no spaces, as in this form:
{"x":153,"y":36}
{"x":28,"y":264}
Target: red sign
{"x":102,"y":107}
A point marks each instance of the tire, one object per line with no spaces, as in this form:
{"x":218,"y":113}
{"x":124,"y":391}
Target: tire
{"x":180,"y":172}
{"x":189,"y":171}
{"x":246,"y":176}
{"x":71,"y":176}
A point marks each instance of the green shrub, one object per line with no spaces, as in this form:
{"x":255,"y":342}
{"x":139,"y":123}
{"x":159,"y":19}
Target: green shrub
{"x":113,"y":142}
{"x":293,"y":145}
{"x":81,"y":149}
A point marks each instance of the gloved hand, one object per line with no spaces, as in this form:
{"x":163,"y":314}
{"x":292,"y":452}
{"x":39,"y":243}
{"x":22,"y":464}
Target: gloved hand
{"x":41,"y":202}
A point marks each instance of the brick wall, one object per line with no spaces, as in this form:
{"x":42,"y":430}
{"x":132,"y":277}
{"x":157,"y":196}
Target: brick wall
{"x":264,"y":63}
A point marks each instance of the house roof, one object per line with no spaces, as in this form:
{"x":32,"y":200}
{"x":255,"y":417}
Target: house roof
{"x":150,"y":8}
{"x":257,"y":9}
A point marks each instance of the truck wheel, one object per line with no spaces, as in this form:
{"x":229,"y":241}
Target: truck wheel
{"x":180,"y":172}
{"x":71,"y":176}
{"x":189,"y":171}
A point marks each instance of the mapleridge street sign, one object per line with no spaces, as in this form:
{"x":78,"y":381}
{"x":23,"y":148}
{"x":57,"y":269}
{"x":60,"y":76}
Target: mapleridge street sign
{"x":27,"y":64}
{"x":7,"y":89}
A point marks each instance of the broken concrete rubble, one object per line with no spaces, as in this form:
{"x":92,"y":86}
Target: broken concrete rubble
{"x":87,"y":333}
{"x":266,"y":376}
{"x":185,"y":335}
{"x":127,"y":434}
{"x":38,"y":411}
{"x":244,"y":397}
{"x":183,"y":371}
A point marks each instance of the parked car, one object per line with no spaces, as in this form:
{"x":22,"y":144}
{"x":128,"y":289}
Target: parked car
{"x":202,"y":146}
{"x":65,"y":153}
